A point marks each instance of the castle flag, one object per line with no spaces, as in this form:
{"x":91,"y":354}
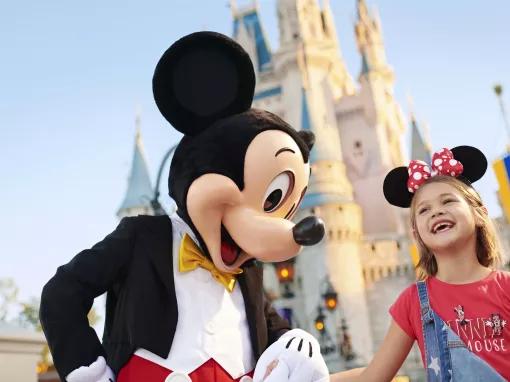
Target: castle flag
{"x":502,"y":170}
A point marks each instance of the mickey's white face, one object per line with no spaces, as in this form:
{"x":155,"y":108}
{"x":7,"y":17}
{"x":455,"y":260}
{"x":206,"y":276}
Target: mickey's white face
{"x":255,"y":222}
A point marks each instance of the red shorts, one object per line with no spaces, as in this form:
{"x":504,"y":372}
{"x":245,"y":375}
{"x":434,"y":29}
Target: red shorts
{"x":139,"y":369}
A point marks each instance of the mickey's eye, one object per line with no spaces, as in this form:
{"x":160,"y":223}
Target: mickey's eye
{"x":278,"y":191}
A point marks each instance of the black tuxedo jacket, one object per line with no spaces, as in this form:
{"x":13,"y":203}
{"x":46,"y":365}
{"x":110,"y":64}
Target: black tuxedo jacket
{"x":134,"y":266}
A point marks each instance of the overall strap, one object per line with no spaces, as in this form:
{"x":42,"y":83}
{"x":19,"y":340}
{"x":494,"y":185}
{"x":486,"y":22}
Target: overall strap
{"x":423,"y":295}
{"x":430,"y":340}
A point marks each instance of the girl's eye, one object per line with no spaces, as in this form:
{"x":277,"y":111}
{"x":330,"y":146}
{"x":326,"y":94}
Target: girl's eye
{"x":422,"y":211}
{"x":448,"y":201}
{"x":278,"y":191}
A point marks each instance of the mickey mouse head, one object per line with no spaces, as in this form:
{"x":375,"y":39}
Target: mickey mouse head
{"x":238,"y":174}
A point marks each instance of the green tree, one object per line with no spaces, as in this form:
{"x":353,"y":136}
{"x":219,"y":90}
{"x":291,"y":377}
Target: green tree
{"x":8,"y":298}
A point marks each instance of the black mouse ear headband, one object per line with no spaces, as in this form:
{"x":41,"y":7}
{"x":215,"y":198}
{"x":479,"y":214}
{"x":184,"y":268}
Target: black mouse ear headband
{"x":466,"y":163}
{"x":203,"y":77}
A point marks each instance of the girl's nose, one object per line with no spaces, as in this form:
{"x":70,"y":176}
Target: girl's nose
{"x":437,"y":213}
{"x":308,"y":231}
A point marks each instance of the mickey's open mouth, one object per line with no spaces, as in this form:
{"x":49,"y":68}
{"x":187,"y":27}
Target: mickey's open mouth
{"x":230,"y":251}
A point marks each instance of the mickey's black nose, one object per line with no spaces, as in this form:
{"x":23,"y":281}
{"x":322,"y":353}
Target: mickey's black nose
{"x":308,"y":231}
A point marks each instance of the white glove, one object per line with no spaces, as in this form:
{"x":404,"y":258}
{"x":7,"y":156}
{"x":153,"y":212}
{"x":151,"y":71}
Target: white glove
{"x":298,"y":358}
{"x":98,"y":371}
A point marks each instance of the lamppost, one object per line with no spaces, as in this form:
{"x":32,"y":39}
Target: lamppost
{"x":330,"y":297}
{"x":498,"y":90}
{"x":346,"y":350}
{"x":330,"y":303}
{"x":285,"y":274}
{"x":326,"y":342}
{"x":155,"y":204}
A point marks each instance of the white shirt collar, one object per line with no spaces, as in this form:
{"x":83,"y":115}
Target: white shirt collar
{"x":182,"y":227}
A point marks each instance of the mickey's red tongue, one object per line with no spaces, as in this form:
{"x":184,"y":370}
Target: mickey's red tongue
{"x":229,"y":253}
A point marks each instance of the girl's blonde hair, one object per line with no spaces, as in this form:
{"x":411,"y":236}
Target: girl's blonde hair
{"x":487,"y":242}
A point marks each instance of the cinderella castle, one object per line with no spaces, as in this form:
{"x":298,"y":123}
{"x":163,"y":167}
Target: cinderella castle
{"x":366,"y":257}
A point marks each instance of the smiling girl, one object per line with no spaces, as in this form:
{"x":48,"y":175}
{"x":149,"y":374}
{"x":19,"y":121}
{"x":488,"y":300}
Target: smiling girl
{"x":459,"y":311}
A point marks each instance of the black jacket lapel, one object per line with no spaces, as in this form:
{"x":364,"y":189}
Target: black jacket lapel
{"x":250,"y":282}
{"x":161,"y":253}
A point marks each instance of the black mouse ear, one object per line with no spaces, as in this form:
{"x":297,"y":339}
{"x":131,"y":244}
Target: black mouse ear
{"x":473,"y":161}
{"x":308,"y":137}
{"x":201,"y":78}
{"x":395,"y":187}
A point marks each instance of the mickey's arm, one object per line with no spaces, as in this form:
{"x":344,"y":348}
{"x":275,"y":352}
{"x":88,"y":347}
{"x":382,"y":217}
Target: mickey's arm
{"x":68,"y":296}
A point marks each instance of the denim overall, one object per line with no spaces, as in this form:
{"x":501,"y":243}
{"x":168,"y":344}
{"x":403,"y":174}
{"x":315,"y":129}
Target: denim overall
{"x":447,"y":357}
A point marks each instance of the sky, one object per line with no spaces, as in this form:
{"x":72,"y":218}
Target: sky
{"x":72,"y":75}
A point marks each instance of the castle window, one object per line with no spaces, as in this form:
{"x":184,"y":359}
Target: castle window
{"x":372,"y":247}
{"x":358,"y":148}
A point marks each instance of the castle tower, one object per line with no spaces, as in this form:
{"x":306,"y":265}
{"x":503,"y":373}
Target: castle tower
{"x":139,"y":190}
{"x":301,"y":82}
{"x":371,"y":124}
{"x":370,"y":43}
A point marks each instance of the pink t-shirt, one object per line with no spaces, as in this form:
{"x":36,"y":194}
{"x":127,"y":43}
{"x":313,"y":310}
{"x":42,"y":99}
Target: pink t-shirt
{"x":478,"y":312}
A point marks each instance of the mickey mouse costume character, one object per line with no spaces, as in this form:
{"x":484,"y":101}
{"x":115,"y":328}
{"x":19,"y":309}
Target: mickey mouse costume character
{"x":184,"y":293}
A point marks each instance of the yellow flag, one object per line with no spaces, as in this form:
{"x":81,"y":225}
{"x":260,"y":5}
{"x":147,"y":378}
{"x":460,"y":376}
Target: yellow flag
{"x":501,"y":168}
{"x":415,"y":254}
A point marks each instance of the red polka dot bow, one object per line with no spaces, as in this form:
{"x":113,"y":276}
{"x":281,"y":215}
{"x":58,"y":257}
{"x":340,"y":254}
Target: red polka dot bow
{"x":443,"y":163}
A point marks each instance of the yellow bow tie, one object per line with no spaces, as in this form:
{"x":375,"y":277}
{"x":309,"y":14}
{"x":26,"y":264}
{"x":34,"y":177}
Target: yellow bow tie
{"x":191,"y":257}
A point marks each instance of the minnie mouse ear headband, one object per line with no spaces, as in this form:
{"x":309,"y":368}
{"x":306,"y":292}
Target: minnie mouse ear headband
{"x":465,"y":163}
{"x":201,"y":78}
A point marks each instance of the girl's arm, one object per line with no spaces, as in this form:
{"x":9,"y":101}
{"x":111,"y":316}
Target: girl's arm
{"x":386,"y":362}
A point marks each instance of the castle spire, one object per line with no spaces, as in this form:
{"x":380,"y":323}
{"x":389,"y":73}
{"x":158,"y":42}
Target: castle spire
{"x":328,"y":22}
{"x":420,"y":147}
{"x":139,"y":190}
{"x":248,"y":32}
{"x":420,"y":143}
{"x":370,"y":42}
{"x":362,"y":8}
{"x":303,"y":22}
